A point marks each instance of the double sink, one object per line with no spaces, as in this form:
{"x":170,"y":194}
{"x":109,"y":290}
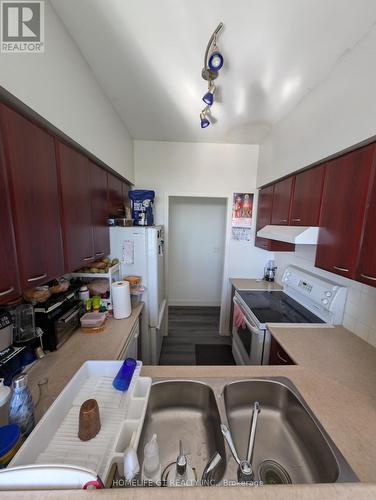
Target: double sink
{"x":290,"y":446}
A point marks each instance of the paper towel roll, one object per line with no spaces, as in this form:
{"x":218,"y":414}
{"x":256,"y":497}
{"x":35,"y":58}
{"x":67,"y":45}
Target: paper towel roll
{"x":121,"y":299}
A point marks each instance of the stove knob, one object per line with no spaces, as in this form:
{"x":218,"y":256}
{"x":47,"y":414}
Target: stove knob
{"x":328,"y":294}
{"x":325,"y":301}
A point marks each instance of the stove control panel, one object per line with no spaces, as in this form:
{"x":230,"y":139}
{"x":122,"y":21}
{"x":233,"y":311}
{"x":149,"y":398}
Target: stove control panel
{"x":315,"y":292}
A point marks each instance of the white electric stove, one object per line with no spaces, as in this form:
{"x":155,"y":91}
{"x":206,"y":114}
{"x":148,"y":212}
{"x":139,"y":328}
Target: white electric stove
{"x":306,"y":300}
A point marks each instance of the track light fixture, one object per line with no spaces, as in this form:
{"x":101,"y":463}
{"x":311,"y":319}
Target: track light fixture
{"x":203,"y":117}
{"x":213,"y":62}
{"x":209,"y":96}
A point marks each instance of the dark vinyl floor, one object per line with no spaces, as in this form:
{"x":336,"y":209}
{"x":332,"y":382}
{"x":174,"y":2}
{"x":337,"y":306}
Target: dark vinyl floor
{"x":189,"y":326}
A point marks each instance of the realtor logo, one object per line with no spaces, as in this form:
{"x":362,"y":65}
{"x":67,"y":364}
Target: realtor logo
{"x":22,"y":26}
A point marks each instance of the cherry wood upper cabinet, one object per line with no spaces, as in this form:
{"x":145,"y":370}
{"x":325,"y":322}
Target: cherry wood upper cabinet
{"x":306,"y":198}
{"x":115,"y":196}
{"x":75,"y":182}
{"x":281,"y":201}
{"x":264,"y":215}
{"x":31,"y":167}
{"x":9,"y":282}
{"x":366,"y":271}
{"x":345,"y":195}
{"x":99,"y":205}
{"x":126,"y":189}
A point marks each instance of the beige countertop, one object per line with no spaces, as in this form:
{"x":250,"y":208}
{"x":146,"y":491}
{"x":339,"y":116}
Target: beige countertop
{"x":336,"y":375}
{"x":60,"y":366}
{"x":253,"y":284}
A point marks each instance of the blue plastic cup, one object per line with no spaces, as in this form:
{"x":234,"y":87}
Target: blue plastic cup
{"x":124,"y":376}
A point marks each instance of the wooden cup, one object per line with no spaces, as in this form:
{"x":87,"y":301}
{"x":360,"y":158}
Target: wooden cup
{"x":89,"y":421}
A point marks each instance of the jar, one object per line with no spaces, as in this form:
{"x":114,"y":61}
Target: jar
{"x":83,"y":293}
{"x":21,"y":407}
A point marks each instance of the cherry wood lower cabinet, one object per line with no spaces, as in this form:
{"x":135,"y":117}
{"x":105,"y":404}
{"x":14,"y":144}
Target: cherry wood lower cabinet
{"x":306,"y":198}
{"x":99,"y":207}
{"x":346,"y":188}
{"x":278,"y":356}
{"x":366,"y":271}
{"x":33,"y":186}
{"x":9,"y":281}
{"x":75,"y":182}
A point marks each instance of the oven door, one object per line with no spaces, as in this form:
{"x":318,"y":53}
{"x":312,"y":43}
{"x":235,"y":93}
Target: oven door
{"x":248,"y":342}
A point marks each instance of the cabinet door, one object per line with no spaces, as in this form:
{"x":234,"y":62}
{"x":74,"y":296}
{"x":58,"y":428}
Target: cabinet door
{"x":126,"y":189}
{"x":306,"y":200}
{"x":344,"y":200}
{"x":115,"y":196}
{"x":99,"y":205}
{"x":31,"y":166}
{"x":278,"y":356}
{"x":74,"y":174}
{"x":281,"y":201}
{"x":366,"y":271}
{"x":264,"y":214}
{"x":9,"y":282}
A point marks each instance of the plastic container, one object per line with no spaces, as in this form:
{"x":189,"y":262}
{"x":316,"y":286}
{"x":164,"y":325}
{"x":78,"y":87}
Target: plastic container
{"x":10,"y":442}
{"x":92,"y":319}
{"x":136,"y":294}
{"x":84,"y":293}
{"x":151,"y":468}
{"x":124,"y":376}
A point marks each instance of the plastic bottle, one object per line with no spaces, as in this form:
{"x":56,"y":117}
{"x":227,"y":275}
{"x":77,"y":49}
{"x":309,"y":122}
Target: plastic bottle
{"x":151,"y":468}
{"x":21,"y":408}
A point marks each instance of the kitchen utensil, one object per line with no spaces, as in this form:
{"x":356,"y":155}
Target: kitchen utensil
{"x":89,"y":420}
{"x":124,"y":376}
{"x":24,"y":332}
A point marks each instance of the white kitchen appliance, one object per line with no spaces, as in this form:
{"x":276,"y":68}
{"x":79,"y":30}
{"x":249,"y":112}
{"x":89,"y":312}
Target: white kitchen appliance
{"x":306,"y":300}
{"x":141,"y":253}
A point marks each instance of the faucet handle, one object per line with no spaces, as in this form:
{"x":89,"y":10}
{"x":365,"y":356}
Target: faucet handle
{"x":227,"y":435}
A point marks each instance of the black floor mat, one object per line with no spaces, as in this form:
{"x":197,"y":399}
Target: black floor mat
{"x":212,"y":354}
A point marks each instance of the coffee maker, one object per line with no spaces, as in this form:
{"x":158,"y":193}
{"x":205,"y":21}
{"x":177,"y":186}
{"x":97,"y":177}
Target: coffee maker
{"x":269,"y":271}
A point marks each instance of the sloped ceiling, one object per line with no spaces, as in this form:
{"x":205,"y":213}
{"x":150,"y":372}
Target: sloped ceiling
{"x":148,"y":54}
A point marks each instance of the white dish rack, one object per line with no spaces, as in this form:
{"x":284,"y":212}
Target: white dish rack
{"x":55,"y":439}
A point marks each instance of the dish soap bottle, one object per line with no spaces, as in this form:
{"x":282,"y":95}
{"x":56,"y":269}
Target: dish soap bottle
{"x":151,"y":468}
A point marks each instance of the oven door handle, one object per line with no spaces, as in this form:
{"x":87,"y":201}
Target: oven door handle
{"x":70,"y":315}
{"x":252,"y":328}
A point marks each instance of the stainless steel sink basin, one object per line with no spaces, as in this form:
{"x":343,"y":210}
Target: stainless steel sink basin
{"x":290,"y":446}
{"x":187,"y":411}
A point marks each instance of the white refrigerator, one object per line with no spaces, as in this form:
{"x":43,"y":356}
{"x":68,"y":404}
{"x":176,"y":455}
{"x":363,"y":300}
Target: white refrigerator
{"x":141,"y":253}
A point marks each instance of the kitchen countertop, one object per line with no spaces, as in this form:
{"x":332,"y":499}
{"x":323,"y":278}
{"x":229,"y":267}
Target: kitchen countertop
{"x":253,"y":284}
{"x":336,"y":375}
{"x":60,"y":366}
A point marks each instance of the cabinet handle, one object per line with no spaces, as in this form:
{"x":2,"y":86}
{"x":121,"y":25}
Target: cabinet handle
{"x":99,"y":254}
{"x":283,"y":220}
{"x":343,"y":269}
{"x":368,"y":277}
{"x":30,"y":280}
{"x":88,"y":258}
{"x":281,"y":358}
{"x":295,"y":220}
{"x":6,"y":292}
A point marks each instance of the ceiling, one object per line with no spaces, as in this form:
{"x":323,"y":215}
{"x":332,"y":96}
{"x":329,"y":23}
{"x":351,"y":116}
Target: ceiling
{"x":147,"y":55}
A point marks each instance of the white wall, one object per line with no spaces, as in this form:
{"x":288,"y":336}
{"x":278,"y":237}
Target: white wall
{"x":60,"y":86}
{"x":360,"y":310}
{"x":201,"y":169}
{"x":337,"y":114}
{"x":196,"y":249}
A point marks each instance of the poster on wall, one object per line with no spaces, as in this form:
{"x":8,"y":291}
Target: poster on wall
{"x":242,"y":209}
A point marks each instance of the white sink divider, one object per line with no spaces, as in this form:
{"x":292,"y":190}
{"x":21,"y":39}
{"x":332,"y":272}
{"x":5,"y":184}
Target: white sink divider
{"x":55,"y":439}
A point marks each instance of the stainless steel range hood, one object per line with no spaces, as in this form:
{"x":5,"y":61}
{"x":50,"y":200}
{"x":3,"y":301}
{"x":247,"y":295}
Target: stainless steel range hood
{"x":300,"y":235}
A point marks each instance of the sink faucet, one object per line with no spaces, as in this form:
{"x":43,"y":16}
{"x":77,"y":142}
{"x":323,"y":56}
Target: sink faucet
{"x":245,"y":470}
{"x":210,"y":468}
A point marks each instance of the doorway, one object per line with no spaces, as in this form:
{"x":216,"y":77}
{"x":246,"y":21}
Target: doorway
{"x":196,"y":251}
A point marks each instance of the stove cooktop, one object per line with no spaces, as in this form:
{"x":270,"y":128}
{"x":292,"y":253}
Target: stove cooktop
{"x":277,"y":307}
